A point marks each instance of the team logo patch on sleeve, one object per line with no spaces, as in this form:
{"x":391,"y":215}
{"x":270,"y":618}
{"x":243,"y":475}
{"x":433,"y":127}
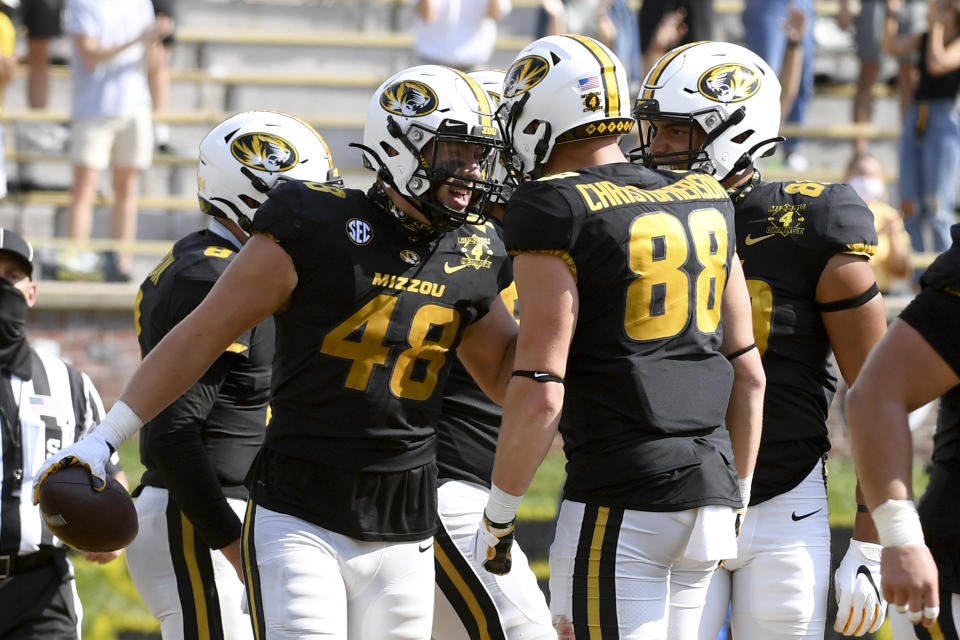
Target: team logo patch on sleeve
{"x":729,"y":82}
{"x":524,"y":74}
{"x":264,"y":152}
{"x":409,"y":98}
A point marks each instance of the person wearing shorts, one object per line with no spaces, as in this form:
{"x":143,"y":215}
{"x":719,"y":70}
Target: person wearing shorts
{"x":158,"y":75}
{"x":110,"y":115}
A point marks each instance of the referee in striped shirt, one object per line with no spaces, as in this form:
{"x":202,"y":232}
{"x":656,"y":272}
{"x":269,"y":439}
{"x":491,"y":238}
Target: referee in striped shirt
{"x":45,"y":404}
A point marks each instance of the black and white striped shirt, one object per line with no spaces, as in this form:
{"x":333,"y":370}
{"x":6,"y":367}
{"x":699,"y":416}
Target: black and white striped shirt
{"x":56,"y":406}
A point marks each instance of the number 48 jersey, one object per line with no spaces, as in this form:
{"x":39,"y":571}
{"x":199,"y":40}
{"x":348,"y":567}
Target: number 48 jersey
{"x":786,"y":234}
{"x":646,"y":387}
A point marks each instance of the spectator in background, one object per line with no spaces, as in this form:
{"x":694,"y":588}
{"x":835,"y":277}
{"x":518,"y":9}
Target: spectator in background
{"x":890,"y":262}
{"x":43,"y":20}
{"x":45,"y":404}
{"x":666,"y":24}
{"x":869,"y":37}
{"x":8,"y":68}
{"x":551,"y":18}
{"x":869,"y":29}
{"x":763,"y":22}
{"x":158,"y":76}
{"x":612,"y":22}
{"x":930,"y":138}
{"x":456,"y":33}
{"x":791,"y":71}
{"x":111,"y":108}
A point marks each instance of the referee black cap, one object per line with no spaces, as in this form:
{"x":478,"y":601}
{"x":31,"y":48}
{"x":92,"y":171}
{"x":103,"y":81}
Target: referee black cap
{"x":14,"y":244}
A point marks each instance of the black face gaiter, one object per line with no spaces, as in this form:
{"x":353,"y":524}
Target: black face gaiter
{"x":14,"y":350}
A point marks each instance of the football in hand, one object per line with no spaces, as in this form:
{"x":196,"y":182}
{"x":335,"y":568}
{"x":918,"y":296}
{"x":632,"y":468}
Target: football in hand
{"x":85,"y":519}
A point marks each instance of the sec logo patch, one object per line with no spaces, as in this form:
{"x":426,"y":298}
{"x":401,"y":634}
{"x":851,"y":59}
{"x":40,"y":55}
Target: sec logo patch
{"x":359,"y":231}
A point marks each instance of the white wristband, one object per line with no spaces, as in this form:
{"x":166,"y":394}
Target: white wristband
{"x":898,"y":523}
{"x":501,"y":506}
{"x":119,"y":424}
{"x":745,"y":485}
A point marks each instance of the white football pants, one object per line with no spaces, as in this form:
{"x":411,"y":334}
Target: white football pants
{"x":309,"y":582}
{"x":779,"y":580}
{"x":467,"y":595}
{"x":635,"y":574}
{"x":194,"y":592}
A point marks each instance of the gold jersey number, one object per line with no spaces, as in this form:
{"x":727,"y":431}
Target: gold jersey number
{"x":661,"y":300}
{"x":360,"y":339}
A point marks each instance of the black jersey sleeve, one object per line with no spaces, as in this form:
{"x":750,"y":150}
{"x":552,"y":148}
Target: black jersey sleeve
{"x":283,"y":217}
{"x":849,"y":225}
{"x":177,"y":451}
{"x":538,"y":219}
{"x":189,"y":294}
{"x":935,"y":314}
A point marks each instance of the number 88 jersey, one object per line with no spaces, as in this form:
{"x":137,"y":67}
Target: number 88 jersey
{"x":646,"y":387}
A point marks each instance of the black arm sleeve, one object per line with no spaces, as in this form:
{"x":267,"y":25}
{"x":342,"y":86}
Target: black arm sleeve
{"x":178,"y":452}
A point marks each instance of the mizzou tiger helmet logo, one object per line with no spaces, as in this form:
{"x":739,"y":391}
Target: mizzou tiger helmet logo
{"x":264,"y":152}
{"x":729,"y":82}
{"x":524,"y":74}
{"x":409,"y":98}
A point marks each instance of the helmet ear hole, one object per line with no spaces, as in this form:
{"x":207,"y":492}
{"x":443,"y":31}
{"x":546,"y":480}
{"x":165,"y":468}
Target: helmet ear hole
{"x":740,"y":139}
{"x":250,"y":202}
{"x":531,"y":127}
{"x":390,"y":151}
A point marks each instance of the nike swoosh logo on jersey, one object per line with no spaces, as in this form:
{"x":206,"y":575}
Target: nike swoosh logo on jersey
{"x":796,"y":518}
{"x":749,"y":240}
{"x":448,"y":269}
{"x":425,"y":548}
{"x":863,"y":571}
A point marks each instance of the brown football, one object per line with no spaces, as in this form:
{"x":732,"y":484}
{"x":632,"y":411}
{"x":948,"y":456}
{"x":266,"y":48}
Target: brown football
{"x":85,"y":519}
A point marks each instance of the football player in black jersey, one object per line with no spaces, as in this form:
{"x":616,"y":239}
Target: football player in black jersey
{"x":369,"y":292}
{"x":916,"y":361}
{"x":621,"y":273}
{"x":471,"y":602}
{"x":191,"y":499}
{"x":713,"y":107}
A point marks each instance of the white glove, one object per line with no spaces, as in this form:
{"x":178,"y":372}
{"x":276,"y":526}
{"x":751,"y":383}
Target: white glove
{"x":92,"y":451}
{"x":860,"y":604}
{"x":491,"y":546}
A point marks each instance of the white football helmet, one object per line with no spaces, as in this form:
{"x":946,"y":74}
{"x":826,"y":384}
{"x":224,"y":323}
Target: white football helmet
{"x":246,"y":155}
{"x":432,"y":103}
{"x":728,"y":90}
{"x":492,"y":82}
{"x":560,"y":89}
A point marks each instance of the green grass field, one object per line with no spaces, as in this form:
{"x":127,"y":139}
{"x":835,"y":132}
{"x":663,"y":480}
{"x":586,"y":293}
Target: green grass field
{"x":112,"y":604}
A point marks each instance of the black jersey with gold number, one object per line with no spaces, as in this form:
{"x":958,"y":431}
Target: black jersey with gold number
{"x":646,"y":387}
{"x":786,"y":234}
{"x":209,"y":436}
{"x":362,"y":354}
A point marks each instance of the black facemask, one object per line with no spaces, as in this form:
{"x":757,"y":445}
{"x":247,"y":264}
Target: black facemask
{"x":14,"y":350}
